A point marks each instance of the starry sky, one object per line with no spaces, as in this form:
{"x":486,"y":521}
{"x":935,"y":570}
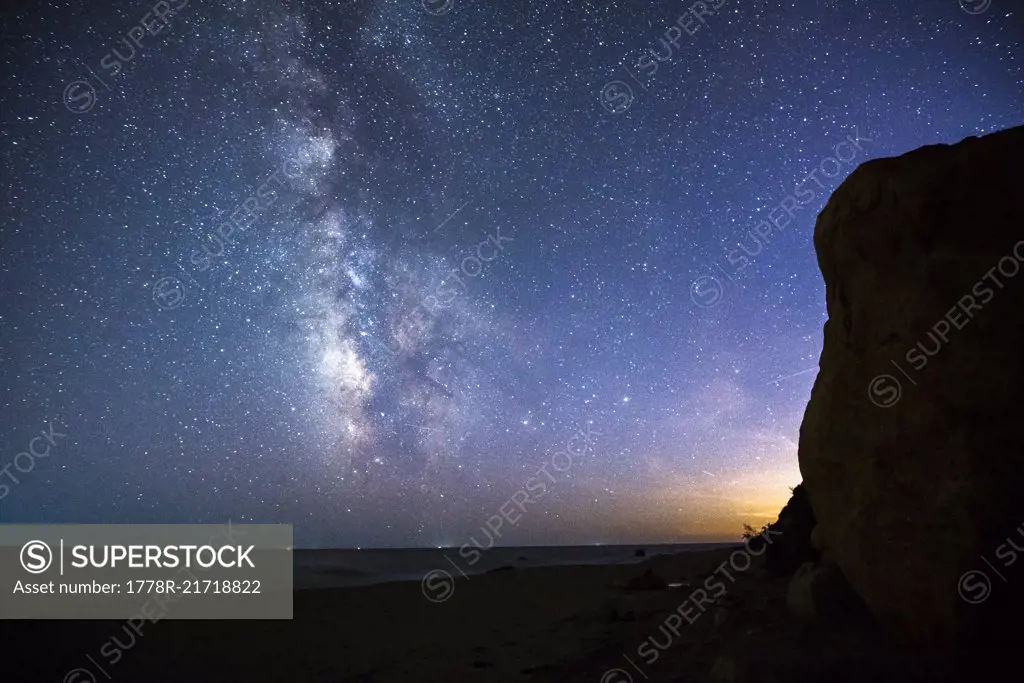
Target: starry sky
{"x":370,"y":267}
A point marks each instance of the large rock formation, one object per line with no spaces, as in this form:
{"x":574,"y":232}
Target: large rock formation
{"x":790,"y":536}
{"x":912,"y":445}
{"x":818,"y":592}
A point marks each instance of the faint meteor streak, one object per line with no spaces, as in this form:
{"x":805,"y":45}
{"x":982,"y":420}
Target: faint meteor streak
{"x":802,"y":372}
{"x":429,"y":429}
{"x":450,"y":217}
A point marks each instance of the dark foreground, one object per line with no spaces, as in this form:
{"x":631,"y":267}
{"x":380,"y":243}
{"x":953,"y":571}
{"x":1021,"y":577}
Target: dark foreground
{"x":593,"y":624}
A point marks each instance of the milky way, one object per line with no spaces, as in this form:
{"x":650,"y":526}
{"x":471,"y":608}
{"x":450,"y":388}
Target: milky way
{"x":364,"y":267}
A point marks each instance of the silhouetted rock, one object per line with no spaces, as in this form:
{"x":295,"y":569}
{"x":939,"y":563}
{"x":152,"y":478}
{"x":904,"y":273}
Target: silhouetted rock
{"x":789,"y":539}
{"x":640,"y":552}
{"x":911,"y":447}
{"x":818,"y":538}
{"x":818,"y":592}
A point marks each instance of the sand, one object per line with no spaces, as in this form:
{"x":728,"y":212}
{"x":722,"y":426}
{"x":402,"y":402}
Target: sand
{"x":540,"y":624}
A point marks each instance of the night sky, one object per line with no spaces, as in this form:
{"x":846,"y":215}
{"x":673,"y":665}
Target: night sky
{"x":368,"y":267}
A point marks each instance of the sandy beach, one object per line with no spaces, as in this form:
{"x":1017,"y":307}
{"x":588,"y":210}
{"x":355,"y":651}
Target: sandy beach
{"x":594,"y":624}
{"x":538,"y":624}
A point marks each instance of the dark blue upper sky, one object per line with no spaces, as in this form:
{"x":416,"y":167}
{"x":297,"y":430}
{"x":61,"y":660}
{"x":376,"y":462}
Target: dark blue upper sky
{"x":367,"y":267}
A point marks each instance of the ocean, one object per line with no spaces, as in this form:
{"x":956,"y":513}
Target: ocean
{"x":340,"y":568}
